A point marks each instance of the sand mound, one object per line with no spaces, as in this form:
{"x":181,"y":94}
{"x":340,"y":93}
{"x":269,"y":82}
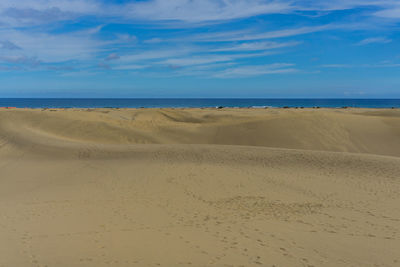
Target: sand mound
{"x":359,"y":131}
{"x":78,"y":190}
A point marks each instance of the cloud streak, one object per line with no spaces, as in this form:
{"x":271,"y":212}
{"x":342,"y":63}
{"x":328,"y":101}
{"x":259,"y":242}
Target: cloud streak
{"x":78,"y":45}
{"x":374,"y":40}
{"x":249,"y":71}
{"x":372,"y":65}
{"x":9,"y":45}
{"x":257,"y":46}
{"x":283,"y":33}
{"x":204,"y":10}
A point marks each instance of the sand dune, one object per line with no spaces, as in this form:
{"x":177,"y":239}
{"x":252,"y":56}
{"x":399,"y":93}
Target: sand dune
{"x":350,"y":130}
{"x":205,"y":187}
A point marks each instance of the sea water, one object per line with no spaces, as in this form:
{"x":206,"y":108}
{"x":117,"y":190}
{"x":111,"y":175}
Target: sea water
{"x":193,"y":103}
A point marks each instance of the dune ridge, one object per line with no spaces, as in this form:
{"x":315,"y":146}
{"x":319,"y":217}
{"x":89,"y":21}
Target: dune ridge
{"x":199,"y":187}
{"x":350,"y":130}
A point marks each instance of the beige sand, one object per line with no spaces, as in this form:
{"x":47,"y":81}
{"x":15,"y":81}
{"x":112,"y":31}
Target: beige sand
{"x":207,"y":187}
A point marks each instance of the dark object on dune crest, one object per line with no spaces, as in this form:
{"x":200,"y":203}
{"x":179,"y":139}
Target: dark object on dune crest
{"x":345,"y":107}
{"x":285,"y":107}
{"x":220,"y":107}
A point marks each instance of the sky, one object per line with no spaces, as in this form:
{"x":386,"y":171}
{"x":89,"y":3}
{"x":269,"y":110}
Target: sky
{"x":200,"y":48}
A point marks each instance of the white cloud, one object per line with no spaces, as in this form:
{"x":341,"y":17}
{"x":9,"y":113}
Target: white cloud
{"x":31,"y":12}
{"x":374,"y":40}
{"x":387,"y":64}
{"x":257,"y":46}
{"x":112,"y":56}
{"x":390,"y":13}
{"x":247,"y":71}
{"x":153,"y":41}
{"x":198,"y":11}
{"x":197,"y":60}
{"x":53,"y":47}
{"x":156,"y":54}
{"x":129,"y":67}
{"x":127,"y":38}
{"x":240,"y":36}
{"x":208,"y":59}
{"x":318,"y":5}
{"x":20,"y":60}
{"x":205,"y":71}
{"x":337,"y":66}
{"x":81,"y":6}
{"x":9,"y":45}
{"x":203,"y":10}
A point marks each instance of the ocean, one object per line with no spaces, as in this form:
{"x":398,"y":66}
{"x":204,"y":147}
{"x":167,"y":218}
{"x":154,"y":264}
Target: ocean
{"x":193,"y":102}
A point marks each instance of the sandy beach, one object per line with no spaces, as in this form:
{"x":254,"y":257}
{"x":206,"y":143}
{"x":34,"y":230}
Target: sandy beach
{"x":199,"y":187}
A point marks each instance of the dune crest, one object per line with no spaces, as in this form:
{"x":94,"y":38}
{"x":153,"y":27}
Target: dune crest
{"x":350,"y":130}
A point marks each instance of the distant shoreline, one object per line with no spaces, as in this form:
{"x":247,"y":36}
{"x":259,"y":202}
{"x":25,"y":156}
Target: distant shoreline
{"x":196,"y":108}
{"x":197,"y":103}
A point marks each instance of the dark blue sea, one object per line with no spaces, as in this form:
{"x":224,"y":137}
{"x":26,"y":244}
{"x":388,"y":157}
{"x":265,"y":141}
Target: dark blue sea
{"x":193,"y":102}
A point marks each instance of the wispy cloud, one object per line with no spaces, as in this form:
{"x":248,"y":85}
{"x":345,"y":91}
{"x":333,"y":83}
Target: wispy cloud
{"x":20,"y":60}
{"x":154,"y":40}
{"x":240,"y":36}
{"x":9,"y":45}
{"x":257,"y":46}
{"x":54,"y":47}
{"x":156,"y":54}
{"x":371,"y":65}
{"x":198,"y":11}
{"x":374,"y":40}
{"x":33,"y":12}
{"x":247,"y":71}
{"x":129,"y":67}
{"x":341,"y":4}
{"x":210,"y":58}
{"x":337,"y":66}
{"x":198,"y":60}
{"x":389,"y":13}
{"x":112,"y":56}
{"x":203,"y":10}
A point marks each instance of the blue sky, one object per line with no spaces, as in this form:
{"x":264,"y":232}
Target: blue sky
{"x":200,"y":48}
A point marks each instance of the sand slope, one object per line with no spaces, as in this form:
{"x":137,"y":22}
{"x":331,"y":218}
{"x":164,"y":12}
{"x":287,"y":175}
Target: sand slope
{"x":350,"y":130}
{"x":78,"y":188}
